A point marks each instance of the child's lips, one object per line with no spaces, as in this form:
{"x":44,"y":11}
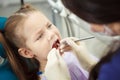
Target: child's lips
{"x":56,"y":44}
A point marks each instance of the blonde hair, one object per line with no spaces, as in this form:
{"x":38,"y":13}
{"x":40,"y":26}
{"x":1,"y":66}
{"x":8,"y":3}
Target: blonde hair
{"x":15,"y":21}
{"x":12,"y":41}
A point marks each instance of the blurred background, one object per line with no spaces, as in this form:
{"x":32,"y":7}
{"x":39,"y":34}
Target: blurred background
{"x":68,"y":24}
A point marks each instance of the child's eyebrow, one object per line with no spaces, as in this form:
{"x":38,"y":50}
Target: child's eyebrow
{"x":36,"y":34}
{"x":40,"y":29}
{"x":47,"y":24}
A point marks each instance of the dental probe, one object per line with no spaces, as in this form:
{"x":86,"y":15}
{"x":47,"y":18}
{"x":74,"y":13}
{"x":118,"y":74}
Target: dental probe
{"x":84,"y":39}
{"x":79,"y":40}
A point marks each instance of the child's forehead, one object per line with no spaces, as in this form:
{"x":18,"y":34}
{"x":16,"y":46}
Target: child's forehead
{"x":37,"y":13}
{"x":33,"y":23}
{"x":33,"y":17}
{"x":36,"y":18}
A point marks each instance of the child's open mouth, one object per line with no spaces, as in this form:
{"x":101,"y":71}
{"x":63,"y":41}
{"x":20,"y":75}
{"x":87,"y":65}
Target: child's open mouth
{"x":56,"y":44}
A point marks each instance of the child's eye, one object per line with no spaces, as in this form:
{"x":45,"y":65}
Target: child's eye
{"x":40,"y":36}
{"x":49,"y":26}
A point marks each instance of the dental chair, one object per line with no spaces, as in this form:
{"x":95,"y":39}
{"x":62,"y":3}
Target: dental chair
{"x":6,"y":72}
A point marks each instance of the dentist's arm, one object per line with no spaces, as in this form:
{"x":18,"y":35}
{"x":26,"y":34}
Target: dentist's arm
{"x":56,"y":69}
{"x":81,"y":52}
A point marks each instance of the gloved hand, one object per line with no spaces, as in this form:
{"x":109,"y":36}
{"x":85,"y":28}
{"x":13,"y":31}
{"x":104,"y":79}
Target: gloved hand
{"x":80,"y":50}
{"x":56,"y":69}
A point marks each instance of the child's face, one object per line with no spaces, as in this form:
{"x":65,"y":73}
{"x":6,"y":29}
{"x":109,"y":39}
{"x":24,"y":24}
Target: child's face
{"x":40,"y":35}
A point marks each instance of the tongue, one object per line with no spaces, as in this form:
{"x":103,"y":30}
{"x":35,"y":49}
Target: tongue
{"x":56,"y":44}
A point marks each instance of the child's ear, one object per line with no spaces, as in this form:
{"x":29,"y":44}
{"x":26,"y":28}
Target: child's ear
{"x":25,"y":53}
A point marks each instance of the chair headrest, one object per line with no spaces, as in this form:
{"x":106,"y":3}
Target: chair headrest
{"x":2,"y":22}
{"x":2,"y":25}
{"x":6,"y":72}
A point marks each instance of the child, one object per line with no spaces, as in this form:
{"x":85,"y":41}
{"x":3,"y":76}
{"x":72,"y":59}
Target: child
{"x":28,"y":38}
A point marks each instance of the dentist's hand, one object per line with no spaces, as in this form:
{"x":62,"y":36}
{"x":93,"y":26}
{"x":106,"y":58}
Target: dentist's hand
{"x":56,"y":69}
{"x":80,"y":50}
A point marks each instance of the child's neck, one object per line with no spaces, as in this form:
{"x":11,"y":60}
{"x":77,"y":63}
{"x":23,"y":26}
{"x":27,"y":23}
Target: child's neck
{"x":42,"y":65}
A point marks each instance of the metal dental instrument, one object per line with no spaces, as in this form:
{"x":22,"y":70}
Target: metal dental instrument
{"x":79,"y":40}
{"x":84,"y":39}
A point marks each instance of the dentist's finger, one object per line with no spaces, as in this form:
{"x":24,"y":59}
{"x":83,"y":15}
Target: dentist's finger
{"x":65,"y":49}
{"x":72,"y":43}
{"x":52,"y":55}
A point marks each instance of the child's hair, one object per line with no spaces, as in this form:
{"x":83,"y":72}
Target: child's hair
{"x":25,"y":69}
